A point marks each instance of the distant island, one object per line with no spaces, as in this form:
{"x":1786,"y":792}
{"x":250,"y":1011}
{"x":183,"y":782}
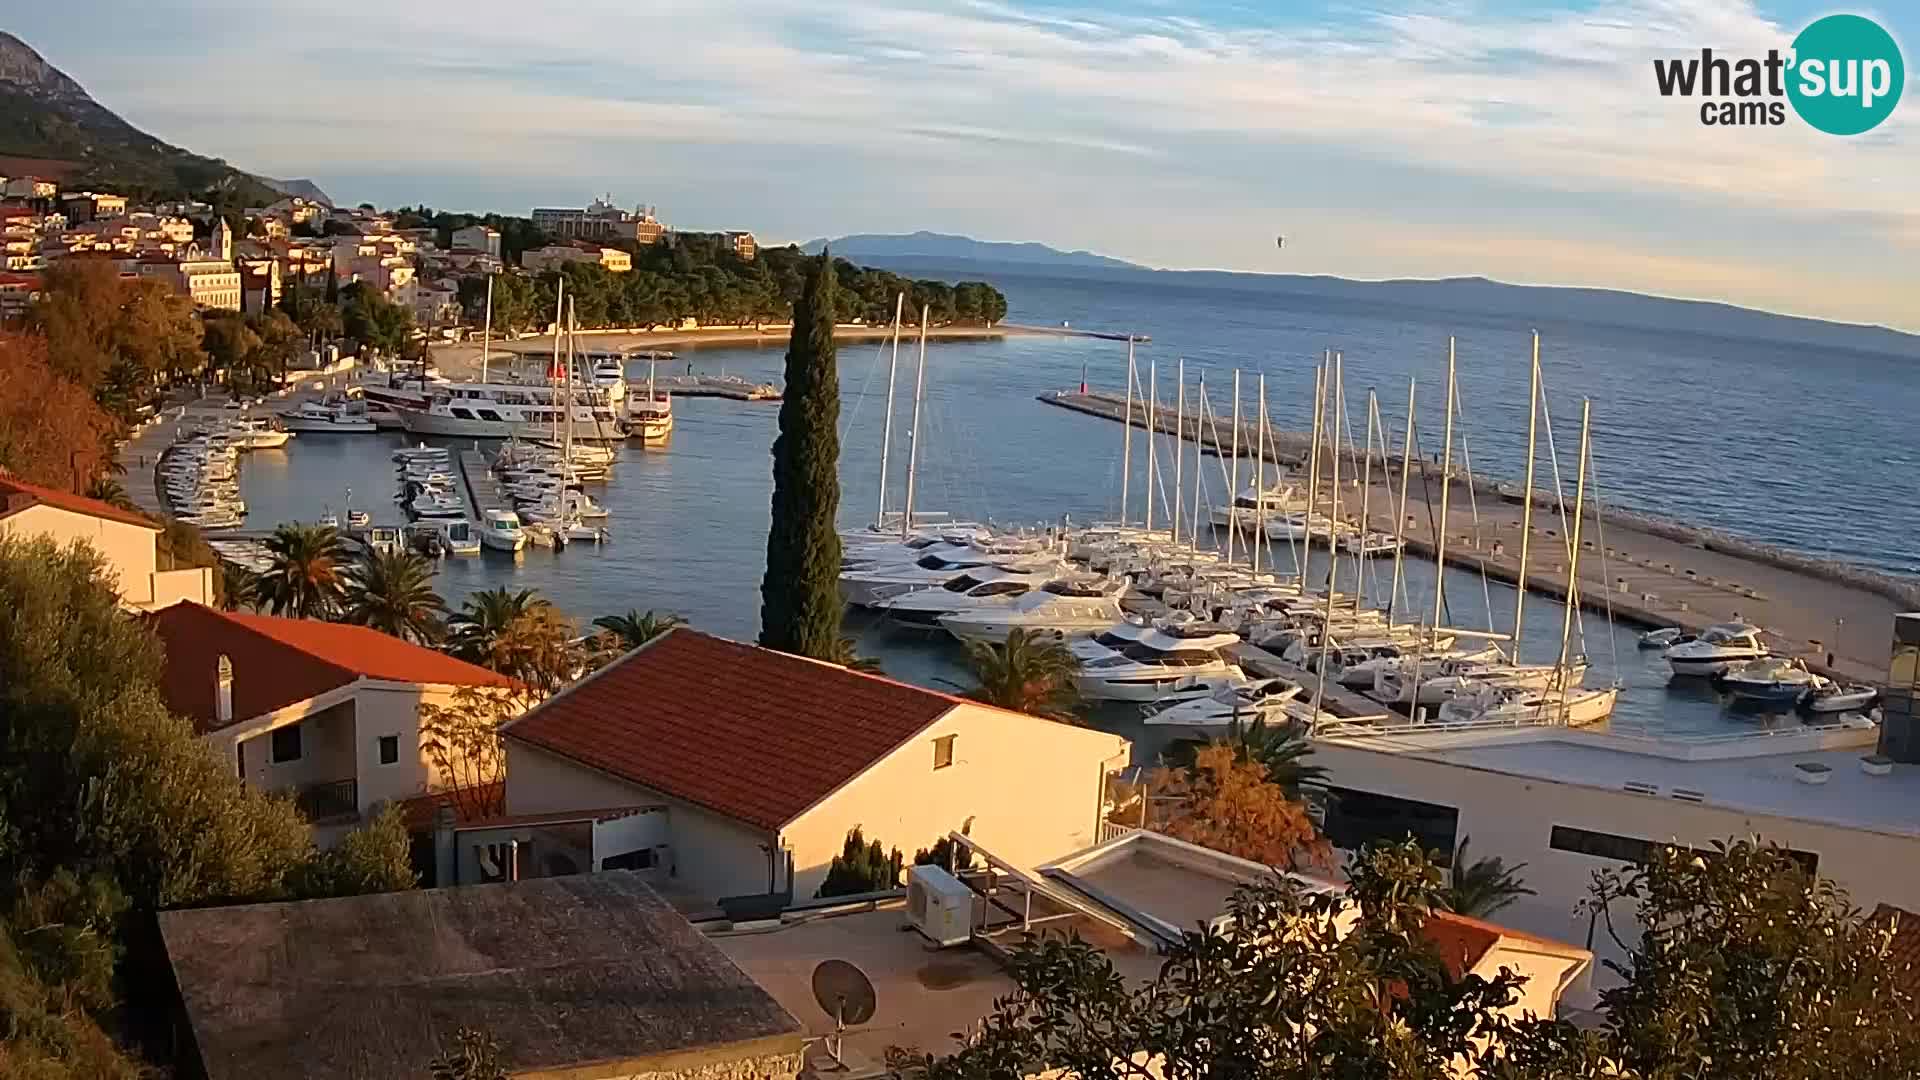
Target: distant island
{"x":945,"y":246}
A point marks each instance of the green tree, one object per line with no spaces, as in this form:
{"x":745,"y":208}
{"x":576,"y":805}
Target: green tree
{"x":307,"y":572}
{"x":800,"y":603}
{"x":239,"y":587}
{"x":483,"y":617}
{"x":945,"y":853}
{"x":1299,"y":984}
{"x":1482,"y":887}
{"x":231,"y":346}
{"x":332,"y":294}
{"x":632,"y":630}
{"x":372,"y":319}
{"x":392,"y":591}
{"x":109,"y":490}
{"x":1281,"y":748}
{"x":861,"y":868}
{"x":462,"y":740}
{"x":1031,"y":673}
{"x":375,"y":858}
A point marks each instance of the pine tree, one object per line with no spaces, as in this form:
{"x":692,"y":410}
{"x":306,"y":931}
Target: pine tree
{"x":800,"y":603}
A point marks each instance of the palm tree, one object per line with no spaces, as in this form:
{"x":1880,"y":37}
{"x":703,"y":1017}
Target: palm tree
{"x":239,"y":587}
{"x":109,"y":490}
{"x":1280,"y":748}
{"x":484,"y":617}
{"x":392,"y":591}
{"x":632,"y":630}
{"x":1032,"y":673}
{"x":539,"y":648}
{"x":1479,"y":889}
{"x":306,"y":576}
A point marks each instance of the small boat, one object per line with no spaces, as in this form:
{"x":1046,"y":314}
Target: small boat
{"x":330,"y":519}
{"x":1718,"y":650}
{"x":502,"y":532}
{"x":458,"y":537}
{"x":1772,"y":680}
{"x":383,"y":538}
{"x":422,"y":452}
{"x":1837,"y":697}
{"x":1374,"y":543}
{"x":539,"y":535}
{"x":1665,"y":638}
{"x":1217,"y":709}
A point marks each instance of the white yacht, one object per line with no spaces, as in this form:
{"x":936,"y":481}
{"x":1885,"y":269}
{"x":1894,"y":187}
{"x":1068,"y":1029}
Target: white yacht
{"x":1216,"y":711}
{"x":868,"y":588}
{"x":1717,"y":649}
{"x":1301,"y":527}
{"x":1161,"y":657}
{"x":1498,"y":704}
{"x":1066,"y":608}
{"x":1444,"y":678}
{"x":980,"y":589}
{"x":1357,"y":665}
{"x":502,"y":532}
{"x":258,"y":434}
{"x":1772,"y":680}
{"x":503,"y":410}
{"x":650,"y":411}
{"x":333,"y":418}
{"x":438,"y":503}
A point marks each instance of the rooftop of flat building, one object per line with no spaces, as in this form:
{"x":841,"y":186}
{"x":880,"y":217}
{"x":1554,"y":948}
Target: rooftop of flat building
{"x":1763,"y":772}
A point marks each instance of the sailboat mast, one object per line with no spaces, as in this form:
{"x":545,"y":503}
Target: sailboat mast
{"x":1126,"y":436}
{"x":1337,"y":419}
{"x":1200,"y":404}
{"x":1446,"y":481}
{"x":486,"y":331}
{"x":886,"y":427}
{"x":1259,"y":477}
{"x":1400,"y":515}
{"x":1313,"y":465}
{"x":573,"y":324}
{"x":1179,"y":442}
{"x":1333,"y":519}
{"x":1153,"y":417}
{"x":1526,"y":504}
{"x":559,"y":317}
{"x":913,"y":440}
{"x":1366,"y":503}
{"x":1573,"y":560}
{"x":1233,"y":478}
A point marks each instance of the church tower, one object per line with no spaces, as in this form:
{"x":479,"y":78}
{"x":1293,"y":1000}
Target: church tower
{"x":222,"y":240}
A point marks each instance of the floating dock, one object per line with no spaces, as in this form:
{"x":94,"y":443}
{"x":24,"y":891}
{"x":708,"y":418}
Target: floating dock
{"x":723,"y":386}
{"x":1642,"y":570}
{"x":482,"y":488}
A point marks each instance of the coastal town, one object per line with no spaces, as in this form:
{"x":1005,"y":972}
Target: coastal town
{"x":446,"y":645}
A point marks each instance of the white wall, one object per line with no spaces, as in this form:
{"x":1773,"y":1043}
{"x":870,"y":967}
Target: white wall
{"x":1032,"y":788}
{"x":712,"y":856}
{"x":1508,"y":816}
{"x":326,"y":752}
{"x":1543,"y":971}
{"x":129,"y":549}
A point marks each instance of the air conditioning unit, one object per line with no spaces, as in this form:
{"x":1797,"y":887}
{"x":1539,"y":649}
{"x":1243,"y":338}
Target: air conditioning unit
{"x":939,"y":905}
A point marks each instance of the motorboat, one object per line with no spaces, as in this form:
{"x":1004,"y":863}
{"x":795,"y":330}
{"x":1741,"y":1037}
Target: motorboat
{"x":1718,"y":649}
{"x":1124,"y":633}
{"x":1162,"y":656}
{"x":1572,"y":707}
{"x":650,"y":411}
{"x":502,"y":410}
{"x":257,"y":434}
{"x":1665,"y":638}
{"x":501,"y":531}
{"x":984,"y":587}
{"x":1358,"y":665}
{"x":1219,"y":710}
{"x":437,"y":503}
{"x":562,"y":503}
{"x":868,"y":588}
{"x":1303,"y":527}
{"x":1771,"y":680}
{"x":459,"y":537}
{"x":323,"y":418}
{"x":1371,"y":543}
{"x":383,"y":538}
{"x":422,"y":452}
{"x":1837,"y":697}
{"x":1066,"y":609}
{"x":572,"y":528}
{"x":384,"y":417}
{"x":1249,"y":505}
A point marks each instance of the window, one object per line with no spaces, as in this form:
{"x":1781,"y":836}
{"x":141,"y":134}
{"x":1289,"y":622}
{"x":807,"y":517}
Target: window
{"x":943,"y":751}
{"x":286,"y":744}
{"x":389,"y":749}
{"x":1602,"y":845}
{"x":489,"y":414}
{"x":641,"y":859}
{"x":1358,"y":818}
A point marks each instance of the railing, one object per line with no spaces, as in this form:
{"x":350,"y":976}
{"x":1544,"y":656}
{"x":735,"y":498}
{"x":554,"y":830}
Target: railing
{"x":333,"y":801}
{"x":1113,"y":831}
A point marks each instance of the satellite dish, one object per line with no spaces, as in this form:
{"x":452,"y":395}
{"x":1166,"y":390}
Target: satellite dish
{"x":846,"y":994}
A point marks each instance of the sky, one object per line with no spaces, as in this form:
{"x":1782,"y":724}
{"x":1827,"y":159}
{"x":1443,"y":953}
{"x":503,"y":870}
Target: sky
{"x":1521,"y":140}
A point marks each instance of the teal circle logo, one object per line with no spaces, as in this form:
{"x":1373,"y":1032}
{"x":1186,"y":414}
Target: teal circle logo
{"x":1846,"y":74}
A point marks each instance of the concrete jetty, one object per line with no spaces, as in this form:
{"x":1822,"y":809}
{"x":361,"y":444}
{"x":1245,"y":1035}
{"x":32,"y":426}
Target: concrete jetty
{"x":1642,"y":569}
{"x":482,"y":487}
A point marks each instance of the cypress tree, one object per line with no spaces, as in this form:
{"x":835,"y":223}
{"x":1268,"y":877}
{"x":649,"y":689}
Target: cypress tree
{"x":800,"y":601}
{"x":333,"y":286}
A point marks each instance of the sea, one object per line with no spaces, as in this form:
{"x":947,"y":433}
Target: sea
{"x":1794,"y":445}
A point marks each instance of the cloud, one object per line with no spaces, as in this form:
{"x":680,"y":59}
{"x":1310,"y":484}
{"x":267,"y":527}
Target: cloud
{"x":1158,"y":132}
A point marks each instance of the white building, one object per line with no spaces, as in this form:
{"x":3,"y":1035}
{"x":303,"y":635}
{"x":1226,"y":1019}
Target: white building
{"x":327,"y":711}
{"x":126,"y":540}
{"x":1568,"y":803}
{"x":764,"y":761}
{"x":481,"y":239}
{"x":555,"y":256}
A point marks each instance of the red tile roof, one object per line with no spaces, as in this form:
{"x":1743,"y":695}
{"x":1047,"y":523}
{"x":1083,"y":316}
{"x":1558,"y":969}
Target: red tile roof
{"x":753,"y":734}
{"x":17,"y":495}
{"x":278,"y":661}
{"x":1462,"y":941}
{"x":1903,"y":953}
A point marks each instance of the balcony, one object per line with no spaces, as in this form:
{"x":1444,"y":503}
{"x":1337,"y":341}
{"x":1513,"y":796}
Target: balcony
{"x":331,"y":803}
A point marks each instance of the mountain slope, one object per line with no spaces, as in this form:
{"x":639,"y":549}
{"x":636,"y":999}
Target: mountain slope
{"x":932,"y":245}
{"x":45,"y":114}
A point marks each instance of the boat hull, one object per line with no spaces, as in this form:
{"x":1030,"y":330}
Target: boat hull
{"x":424,"y":422}
{"x":1708,"y":667}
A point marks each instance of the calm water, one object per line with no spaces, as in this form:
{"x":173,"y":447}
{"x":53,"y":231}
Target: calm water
{"x":1780,"y":446}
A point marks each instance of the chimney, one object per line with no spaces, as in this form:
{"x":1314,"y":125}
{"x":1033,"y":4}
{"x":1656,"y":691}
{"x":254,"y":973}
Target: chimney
{"x":223,"y":693}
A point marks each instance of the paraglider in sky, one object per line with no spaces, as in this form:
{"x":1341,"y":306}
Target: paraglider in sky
{"x":1280,"y":242}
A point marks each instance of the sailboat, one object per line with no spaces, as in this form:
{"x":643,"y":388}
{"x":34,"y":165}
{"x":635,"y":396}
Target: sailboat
{"x":650,"y":414}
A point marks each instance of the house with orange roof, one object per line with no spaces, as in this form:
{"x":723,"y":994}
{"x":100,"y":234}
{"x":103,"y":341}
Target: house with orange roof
{"x":127,"y":541}
{"x":763,"y":761}
{"x":327,"y":711}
